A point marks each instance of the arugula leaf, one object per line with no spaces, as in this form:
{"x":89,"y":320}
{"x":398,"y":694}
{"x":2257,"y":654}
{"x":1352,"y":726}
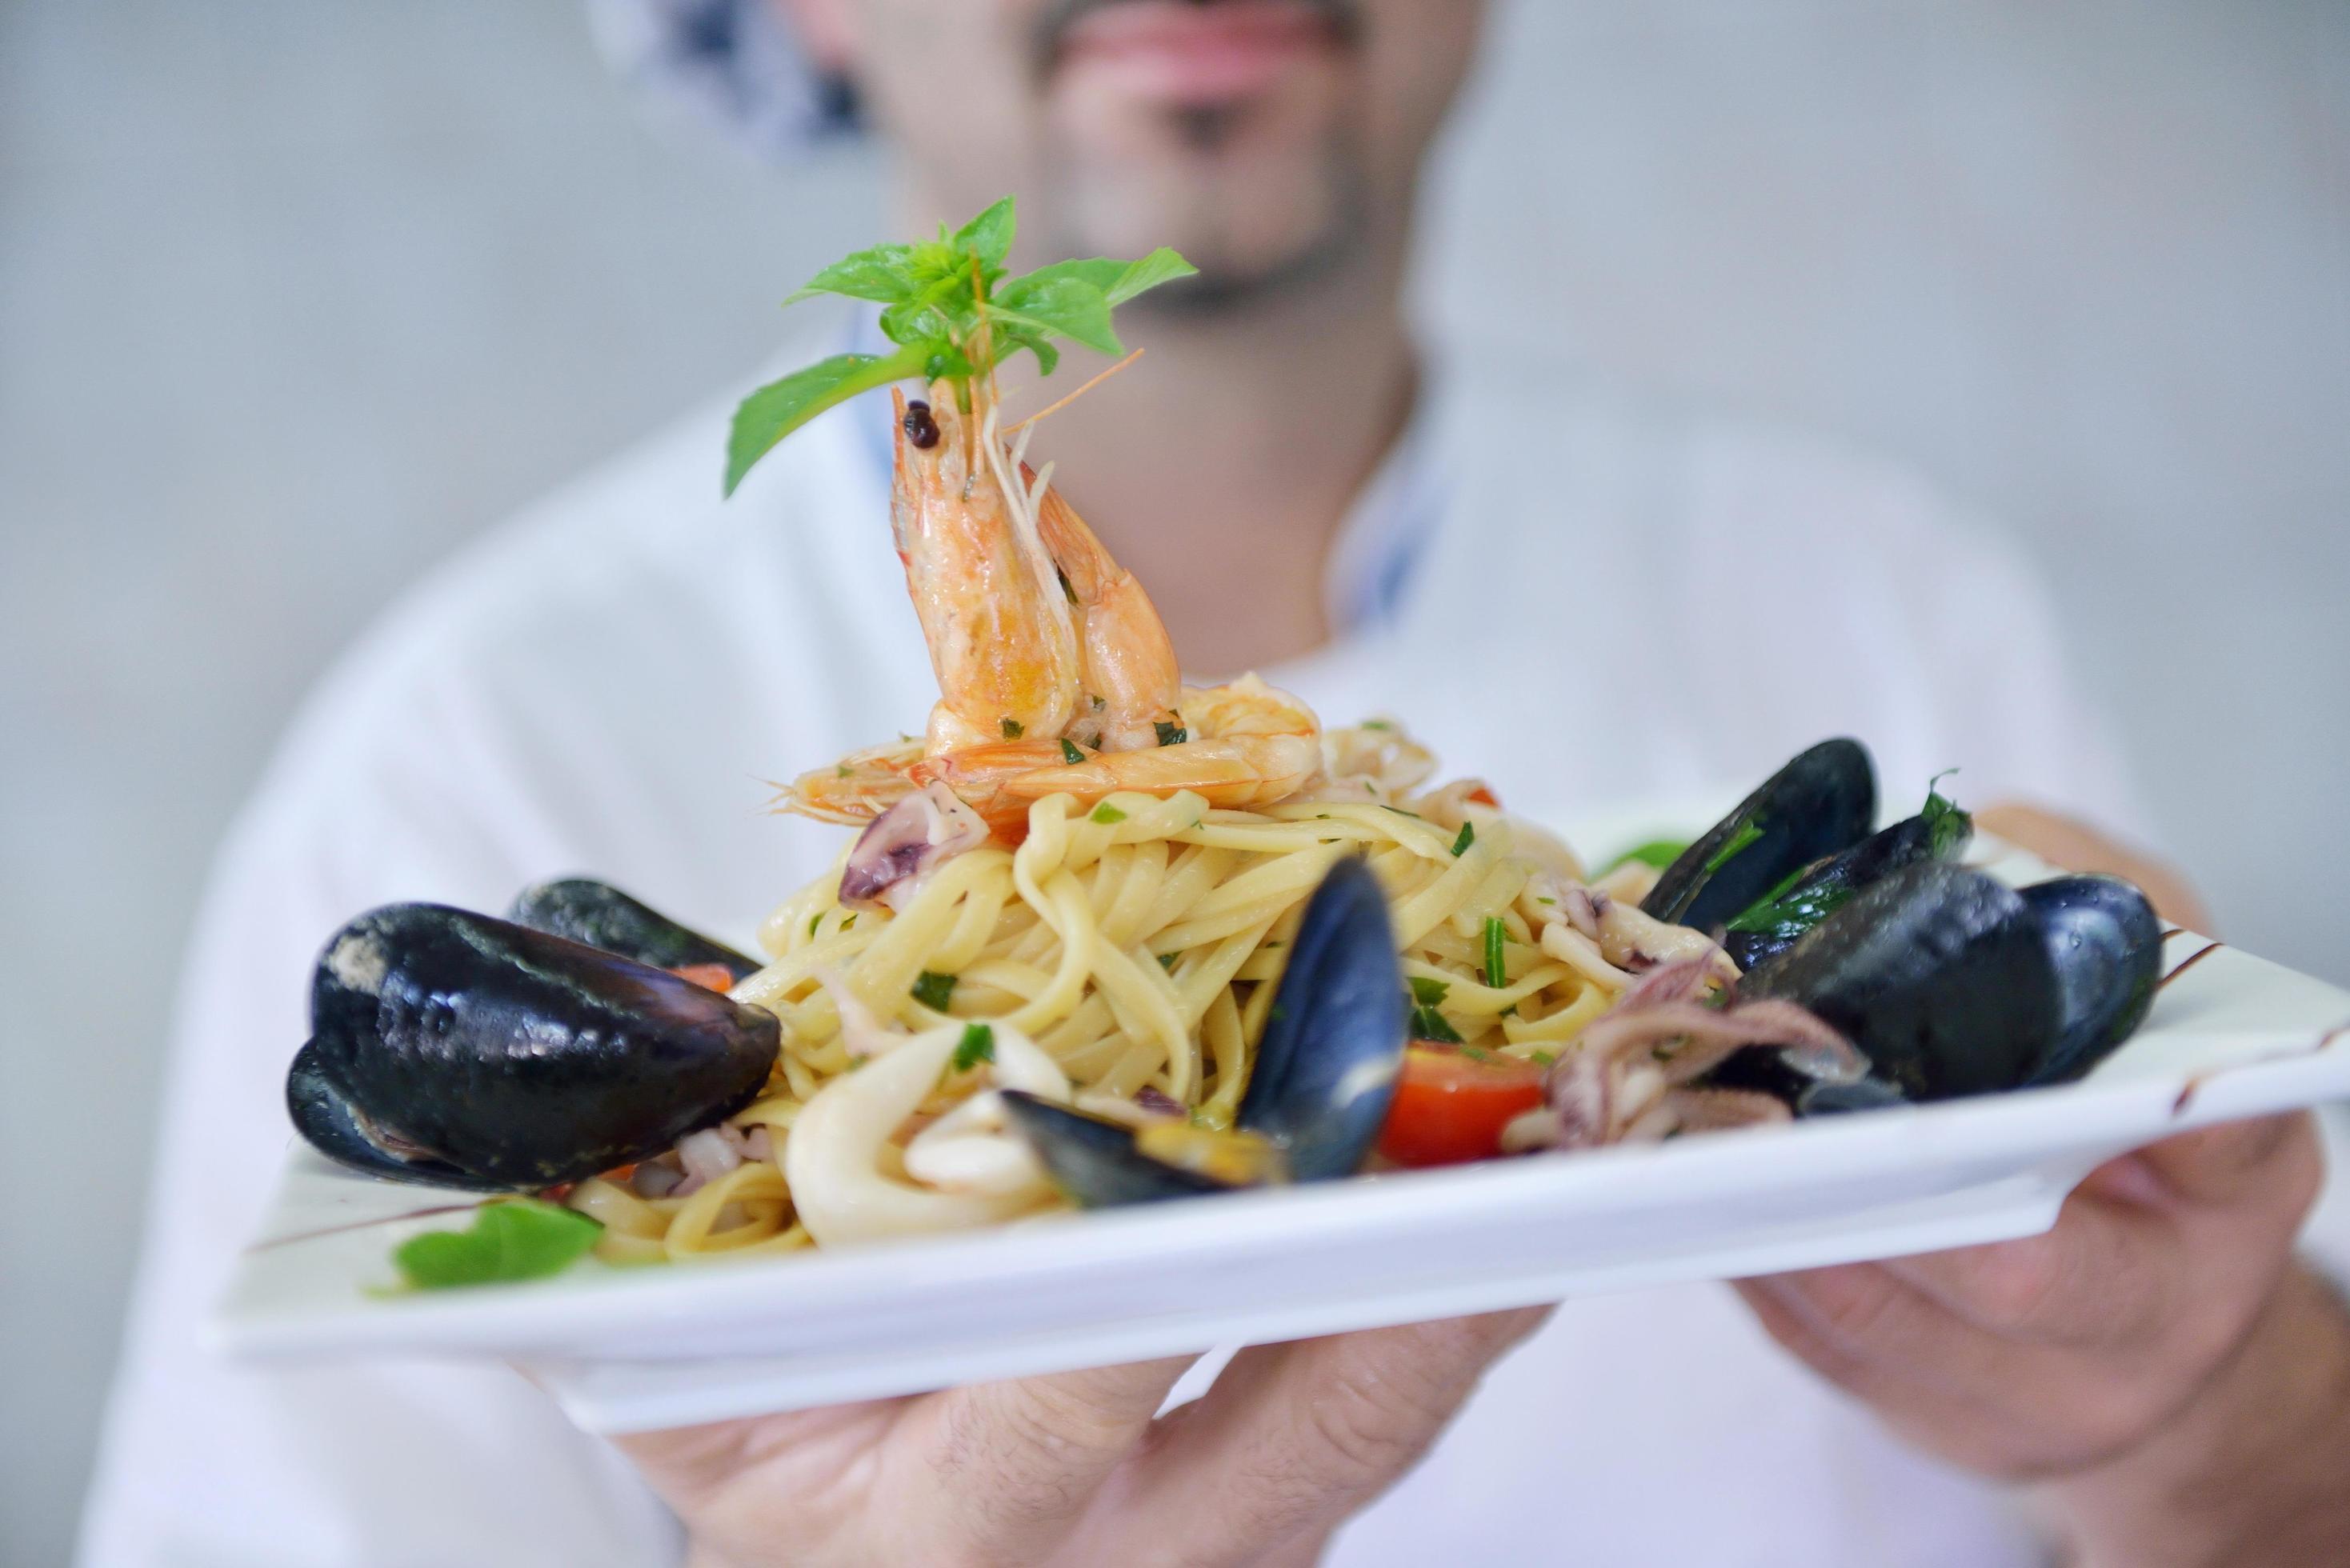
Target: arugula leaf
{"x":933,"y":990}
{"x":779,"y":408}
{"x":510,"y":1239}
{"x":977,"y":1046}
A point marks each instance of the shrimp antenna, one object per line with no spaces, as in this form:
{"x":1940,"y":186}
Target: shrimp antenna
{"x":1073,"y":397}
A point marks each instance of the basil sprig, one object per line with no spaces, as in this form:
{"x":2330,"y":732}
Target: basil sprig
{"x":935,"y":295}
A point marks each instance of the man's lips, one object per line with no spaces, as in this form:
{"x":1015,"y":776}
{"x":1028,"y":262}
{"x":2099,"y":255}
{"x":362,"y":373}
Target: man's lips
{"x":1190,"y":53}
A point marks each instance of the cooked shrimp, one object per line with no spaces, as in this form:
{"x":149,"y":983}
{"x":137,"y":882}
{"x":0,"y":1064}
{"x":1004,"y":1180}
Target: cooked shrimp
{"x":1129,"y":675}
{"x":1056,"y":674}
{"x":986,"y":591}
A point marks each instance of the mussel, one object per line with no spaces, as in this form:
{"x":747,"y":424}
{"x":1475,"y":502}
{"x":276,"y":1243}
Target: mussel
{"x":1777,"y":921}
{"x":1821,"y":803}
{"x":1951,"y":982}
{"x":452,"y":1048}
{"x":1326,"y":1070}
{"x":600,"y":915}
{"x":2106,"y":942}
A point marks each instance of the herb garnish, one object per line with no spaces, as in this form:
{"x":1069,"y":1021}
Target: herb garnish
{"x":1427,"y":1023}
{"x":1468,"y":836}
{"x":1172,"y":734}
{"x":1659,"y":852}
{"x":1108,"y":814}
{"x":1495,"y":975}
{"x":953,"y":315}
{"x":1013,"y":729}
{"x":933,"y":990}
{"x":1070,"y":754}
{"x":977,"y":1046}
{"x":510,"y":1239}
{"x":1748,"y":832}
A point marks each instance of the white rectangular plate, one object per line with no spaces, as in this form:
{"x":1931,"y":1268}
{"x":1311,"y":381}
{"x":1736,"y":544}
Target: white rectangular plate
{"x":629,"y":1349}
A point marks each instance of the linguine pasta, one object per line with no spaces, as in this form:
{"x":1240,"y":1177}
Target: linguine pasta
{"x":1137,"y":943}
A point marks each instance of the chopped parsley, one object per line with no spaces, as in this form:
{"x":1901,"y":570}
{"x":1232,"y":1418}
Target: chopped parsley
{"x":1108,"y":814}
{"x":1375,"y":724}
{"x":847,"y":921}
{"x":977,"y":1046}
{"x":1748,"y":832}
{"x":1173,"y":734}
{"x":1427,"y":992}
{"x":1544,"y":1058}
{"x":1468,"y":836}
{"x":933,"y":990}
{"x":1097,"y":703}
{"x":814,"y":921}
{"x":840,"y":770}
{"x":1014,"y":729}
{"x":1167,"y":962}
{"x":1427,"y":1023}
{"x":1496,"y":975}
{"x":1659,"y":852}
{"x":1070,"y":754}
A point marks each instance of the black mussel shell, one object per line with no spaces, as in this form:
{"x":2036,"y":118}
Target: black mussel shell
{"x":1335,"y":1036}
{"x":1769,"y":928}
{"x":1821,"y":803}
{"x":517,"y":1058}
{"x":2106,"y":942}
{"x":1938,"y":973}
{"x":600,"y":915}
{"x":1825,"y":1099}
{"x":329,"y":1123}
{"x":1093,"y":1160}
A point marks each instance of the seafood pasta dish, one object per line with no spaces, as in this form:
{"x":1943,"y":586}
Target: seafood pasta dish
{"x":1098,"y":936}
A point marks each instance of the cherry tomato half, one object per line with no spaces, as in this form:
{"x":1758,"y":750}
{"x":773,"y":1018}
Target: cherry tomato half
{"x":1450,"y":1106}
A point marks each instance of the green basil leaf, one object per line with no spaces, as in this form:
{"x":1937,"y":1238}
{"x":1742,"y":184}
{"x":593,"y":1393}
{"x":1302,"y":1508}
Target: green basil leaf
{"x":1065,"y":306}
{"x":884,"y":274}
{"x":511,"y":1239}
{"x":1162,"y":265}
{"x":779,"y":408}
{"x":989,"y":236}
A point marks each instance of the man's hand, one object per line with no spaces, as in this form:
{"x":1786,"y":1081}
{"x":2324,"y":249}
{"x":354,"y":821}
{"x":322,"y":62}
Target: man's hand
{"x":2177,"y":1386}
{"x":1291,"y":1439}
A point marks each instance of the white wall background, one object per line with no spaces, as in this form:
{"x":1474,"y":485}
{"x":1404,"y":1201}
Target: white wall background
{"x":295,"y":295}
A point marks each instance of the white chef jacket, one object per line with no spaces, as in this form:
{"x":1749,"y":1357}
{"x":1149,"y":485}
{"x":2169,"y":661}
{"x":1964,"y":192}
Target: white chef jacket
{"x":1585,"y":602}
